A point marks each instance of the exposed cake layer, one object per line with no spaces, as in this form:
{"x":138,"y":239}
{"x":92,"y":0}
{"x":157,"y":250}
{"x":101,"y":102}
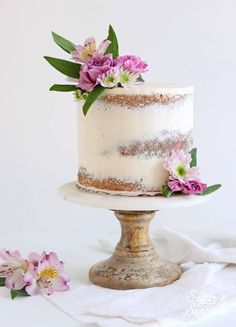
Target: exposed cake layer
{"x":113,"y":185}
{"x":140,"y":101}
{"x":161,"y":146}
{"x":123,"y":150}
{"x":149,"y":173}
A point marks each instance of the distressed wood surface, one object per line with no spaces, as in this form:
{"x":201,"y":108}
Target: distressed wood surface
{"x":135,"y":262}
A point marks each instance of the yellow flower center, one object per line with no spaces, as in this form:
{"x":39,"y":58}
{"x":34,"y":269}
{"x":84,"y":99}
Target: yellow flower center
{"x":89,"y":49}
{"x":49,"y":273}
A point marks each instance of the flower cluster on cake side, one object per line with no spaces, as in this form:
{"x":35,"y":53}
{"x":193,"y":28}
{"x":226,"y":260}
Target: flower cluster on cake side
{"x":96,"y":68}
{"x":38,"y":274}
{"x":184,"y":177}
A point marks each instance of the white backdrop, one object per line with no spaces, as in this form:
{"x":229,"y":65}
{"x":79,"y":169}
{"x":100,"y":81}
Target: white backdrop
{"x":186,"y":41}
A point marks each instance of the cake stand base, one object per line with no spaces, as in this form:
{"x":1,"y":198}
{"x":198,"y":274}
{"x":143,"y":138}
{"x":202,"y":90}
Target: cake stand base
{"x":135,"y":262}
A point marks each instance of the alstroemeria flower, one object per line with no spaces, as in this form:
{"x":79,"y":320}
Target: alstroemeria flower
{"x":84,"y":53}
{"x":179,"y":168}
{"x":13,"y":268}
{"x":48,"y":277}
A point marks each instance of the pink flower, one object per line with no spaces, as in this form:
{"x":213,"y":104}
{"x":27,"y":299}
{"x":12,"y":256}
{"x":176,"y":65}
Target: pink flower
{"x":178,"y":165}
{"x":13,"y":269}
{"x":49,"y":276}
{"x":84,"y":53}
{"x":93,"y":69}
{"x":175,"y":185}
{"x":133,"y":64}
{"x":193,"y":187}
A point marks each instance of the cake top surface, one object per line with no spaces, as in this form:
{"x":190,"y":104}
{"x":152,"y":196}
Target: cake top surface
{"x":151,"y":88}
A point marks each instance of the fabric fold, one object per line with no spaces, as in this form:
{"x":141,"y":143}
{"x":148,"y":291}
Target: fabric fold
{"x":206,"y":288}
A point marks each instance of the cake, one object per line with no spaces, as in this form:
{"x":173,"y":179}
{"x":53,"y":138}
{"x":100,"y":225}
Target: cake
{"x":127,"y":135}
{"x":134,"y":138}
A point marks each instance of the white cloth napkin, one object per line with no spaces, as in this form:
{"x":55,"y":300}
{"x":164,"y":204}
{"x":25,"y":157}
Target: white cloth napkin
{"x":206,"y":288}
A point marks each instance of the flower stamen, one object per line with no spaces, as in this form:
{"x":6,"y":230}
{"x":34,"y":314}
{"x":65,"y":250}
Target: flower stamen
{"x":49,"y":273}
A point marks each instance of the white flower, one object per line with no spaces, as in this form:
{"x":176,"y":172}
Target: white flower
{"x":178,"y":165}
{"x":126,"y":78}
{"x":109,"y":79}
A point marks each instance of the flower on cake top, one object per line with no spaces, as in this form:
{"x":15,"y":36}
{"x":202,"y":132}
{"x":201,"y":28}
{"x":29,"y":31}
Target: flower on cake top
{"x":184,"y":175}
{"x":95,"y":69}
{"x":37,"y":274}
{"x":110,"y":79}
{"x":133,"y":64}
{"x":84,"y":53}
{"x":127,"y":78}
{"x":118,"y":76}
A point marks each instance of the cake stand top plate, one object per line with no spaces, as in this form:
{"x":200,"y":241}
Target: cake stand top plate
{"x":70,"y":192}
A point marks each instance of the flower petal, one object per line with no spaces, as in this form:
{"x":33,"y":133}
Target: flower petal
{"x":7,"y":269}
{"x":9,"y":256}
{"x":76,"y":55}
{"x":34,"y":258}
{"x":103,"y":46}
{"x":60,"y":284}
{"x":31,"y":284}
{"x":90,"y":41}
{"x":15,"y":281}
{"x":50,"y":260}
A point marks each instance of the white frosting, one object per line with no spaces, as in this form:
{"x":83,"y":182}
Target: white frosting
{"x":108,"y":126}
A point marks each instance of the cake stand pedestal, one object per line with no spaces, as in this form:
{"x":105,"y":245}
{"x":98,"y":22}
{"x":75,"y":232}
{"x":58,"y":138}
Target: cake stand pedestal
{"x":135,"y":262}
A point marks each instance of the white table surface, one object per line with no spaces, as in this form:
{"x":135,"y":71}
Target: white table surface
{"x":79,"y":252}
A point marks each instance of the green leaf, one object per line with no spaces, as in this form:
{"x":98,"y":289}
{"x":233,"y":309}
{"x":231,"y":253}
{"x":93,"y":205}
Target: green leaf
{"x":65,"y":67}
{"x":113,"y":47}
{"x":193,"y":153}
{"x":18,"y":293}
{"x":140,"y":79}
{"x":166,"y":191}
{"x":63,"y":43}
{"x":2,"y":281}
{"x":211,"y":189}
{"x":92,"y":96}
{"x":63,"y":88}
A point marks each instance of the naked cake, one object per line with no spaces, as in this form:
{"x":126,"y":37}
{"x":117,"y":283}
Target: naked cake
{"x":125,"y":138}
{"x":134,"y":138}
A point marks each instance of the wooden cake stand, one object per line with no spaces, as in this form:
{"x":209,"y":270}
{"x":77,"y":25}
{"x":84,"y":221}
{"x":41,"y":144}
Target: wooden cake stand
{"x":135,"y":262}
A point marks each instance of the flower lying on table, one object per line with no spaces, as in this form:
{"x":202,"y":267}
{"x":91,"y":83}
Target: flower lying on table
{"x":184,"y":175}
{"x":96,"y":69}
{"x":37,"y":274}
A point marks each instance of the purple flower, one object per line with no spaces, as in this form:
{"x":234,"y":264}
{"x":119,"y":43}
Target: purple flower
{"x":47,"y":277}
{"x":13,"y":268}
{"x":93,"y":69}
{"x":84,"y":53}
{"x":175,"y":185}
{"x":193,"y":187}
{"x":133,"y":64}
